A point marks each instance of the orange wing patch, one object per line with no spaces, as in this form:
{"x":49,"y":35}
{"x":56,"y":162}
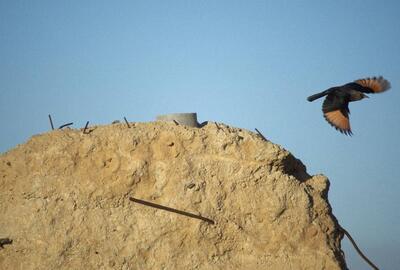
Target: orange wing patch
{"x":375,"y":84}
{"x":338,"y":120}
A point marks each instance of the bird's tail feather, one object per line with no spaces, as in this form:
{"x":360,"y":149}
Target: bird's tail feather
{"x":316,"y":96}
{"x":375,"y":84}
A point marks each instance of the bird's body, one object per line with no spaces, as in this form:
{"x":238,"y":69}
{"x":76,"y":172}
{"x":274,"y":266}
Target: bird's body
{"x":336,"y":104}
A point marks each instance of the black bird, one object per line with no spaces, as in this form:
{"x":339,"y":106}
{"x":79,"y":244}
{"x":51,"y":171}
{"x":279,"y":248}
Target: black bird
{"x":336,"y":104}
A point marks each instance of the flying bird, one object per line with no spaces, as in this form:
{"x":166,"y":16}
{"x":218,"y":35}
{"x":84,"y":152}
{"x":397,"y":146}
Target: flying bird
{"x":336,"y":104}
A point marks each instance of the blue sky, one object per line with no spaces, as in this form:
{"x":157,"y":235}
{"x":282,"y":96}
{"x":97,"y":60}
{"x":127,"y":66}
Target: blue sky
{"x":249,"y":64}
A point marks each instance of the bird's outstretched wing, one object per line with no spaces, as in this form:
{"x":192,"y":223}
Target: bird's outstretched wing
{"x":373,"y":85}
{"x":336,"y":112}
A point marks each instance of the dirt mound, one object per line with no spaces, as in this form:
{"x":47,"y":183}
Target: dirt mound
{"x":65,"y":202}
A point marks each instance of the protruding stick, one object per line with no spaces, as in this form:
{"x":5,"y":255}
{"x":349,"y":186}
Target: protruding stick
{"x":66,"y":125}
{"x":127,"y":123}
{"x":262,"y":136}
{"x":84,"y":130}
{"x":51,"y":122}
{"x":358,"y":250}
{"x":180,"y":212}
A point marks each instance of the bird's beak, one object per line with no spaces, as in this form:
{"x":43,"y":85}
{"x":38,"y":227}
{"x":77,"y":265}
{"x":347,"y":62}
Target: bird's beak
{"x":366,"y":96}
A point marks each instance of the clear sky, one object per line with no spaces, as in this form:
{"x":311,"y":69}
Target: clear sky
{"x":248,"y":64}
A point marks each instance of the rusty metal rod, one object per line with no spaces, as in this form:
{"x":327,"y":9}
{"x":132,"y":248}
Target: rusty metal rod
{"x":84,"y":130}
{"x":51,"y":122}
{"x":359,"y":250}
{"x":180,"y":212}
{"x":127,"y":123}
{"x":262,"y":136}
{"x":66,"y":125}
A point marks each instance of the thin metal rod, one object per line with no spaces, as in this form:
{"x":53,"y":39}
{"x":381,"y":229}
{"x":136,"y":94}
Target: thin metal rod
{"x":358,"y":250}
{"x":84,"y":130}
{"x":66,"y":125}
{"x":180,"y":212}
{"x":262,"y":136}
{"x":127,"y":123}
{"x":51,"y":122}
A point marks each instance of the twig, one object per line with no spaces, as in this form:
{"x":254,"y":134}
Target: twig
{"x":65,"y":125}
{"x":358,"y":250}
{"x":51,"y":122}
{"x":84,"y":130}
{"x":218,"y":127}
{"x":180,"y":212}
{"x":127,"y":123}
{"x":262,"y":136}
